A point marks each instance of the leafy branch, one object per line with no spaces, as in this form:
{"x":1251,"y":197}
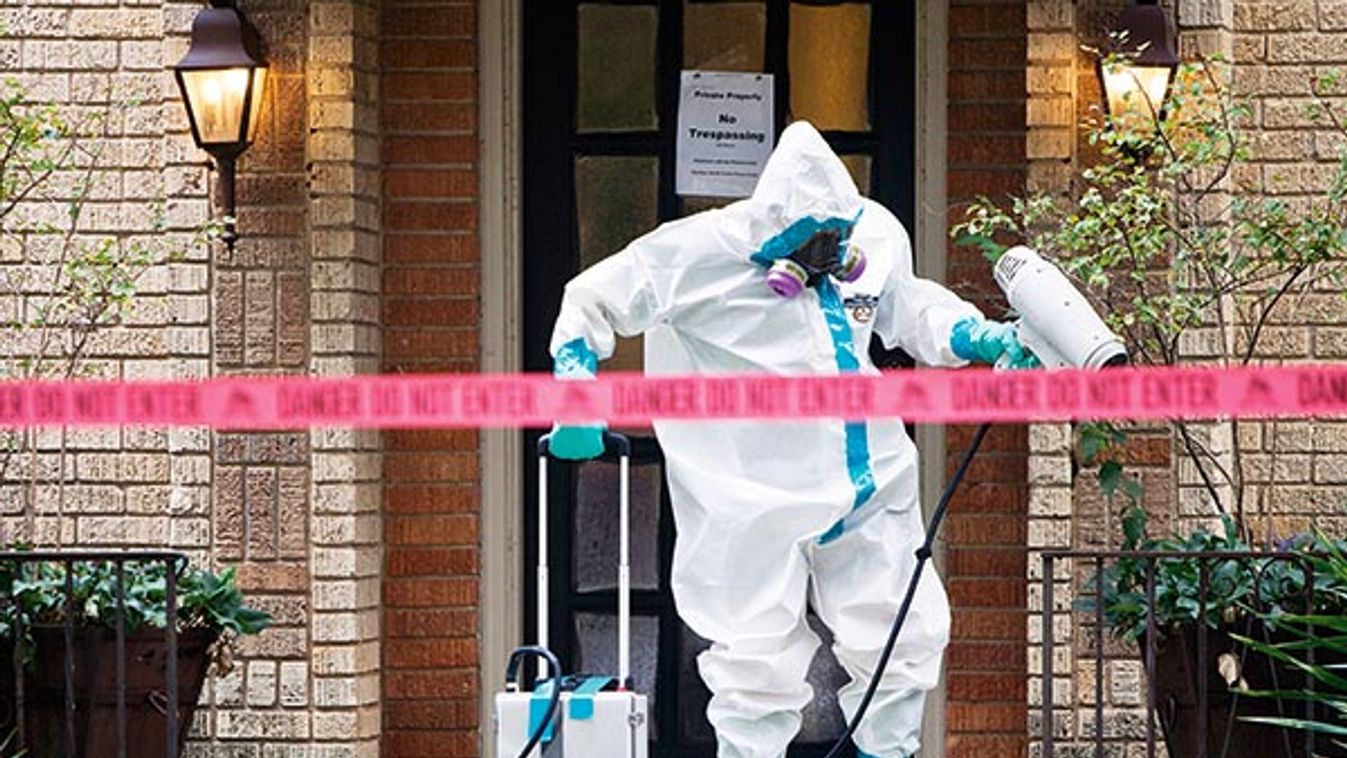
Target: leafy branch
{"x":1176,"y":256}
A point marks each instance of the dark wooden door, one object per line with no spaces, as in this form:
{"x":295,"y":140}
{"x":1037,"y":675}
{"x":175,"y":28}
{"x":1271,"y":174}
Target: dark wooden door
{"x":601,"y":85}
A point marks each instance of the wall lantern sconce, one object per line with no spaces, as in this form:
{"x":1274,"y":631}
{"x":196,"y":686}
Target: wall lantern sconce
{"x":1135,"y":88}
{"x":222,"y":78}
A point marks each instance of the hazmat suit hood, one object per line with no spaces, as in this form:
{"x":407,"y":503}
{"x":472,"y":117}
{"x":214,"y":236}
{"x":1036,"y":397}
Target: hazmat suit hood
{"x":804,"y":187}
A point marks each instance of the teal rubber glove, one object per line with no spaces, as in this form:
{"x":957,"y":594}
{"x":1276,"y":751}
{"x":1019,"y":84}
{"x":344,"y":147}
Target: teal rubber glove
{"x":991,"y":342}
{"x":579,"y":442}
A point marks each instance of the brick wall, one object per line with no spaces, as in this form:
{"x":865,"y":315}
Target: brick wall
{"x":431,"y":281}
{"x":985,"y":532}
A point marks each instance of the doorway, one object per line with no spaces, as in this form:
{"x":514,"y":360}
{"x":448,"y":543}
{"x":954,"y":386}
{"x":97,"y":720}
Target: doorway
{"x":601,"y":83}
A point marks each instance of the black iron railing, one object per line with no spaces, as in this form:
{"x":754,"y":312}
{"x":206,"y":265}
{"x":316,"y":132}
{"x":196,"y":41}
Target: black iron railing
{"x":80,"y":708}
{"x":1190,"y":709}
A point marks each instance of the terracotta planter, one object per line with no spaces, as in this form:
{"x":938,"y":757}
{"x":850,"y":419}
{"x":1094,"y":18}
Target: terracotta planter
{"x":1176,"y":676}
{"x":95,"y":680}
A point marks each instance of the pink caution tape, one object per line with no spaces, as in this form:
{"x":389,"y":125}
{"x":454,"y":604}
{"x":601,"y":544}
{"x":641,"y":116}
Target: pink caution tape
{"x":532,"y":400}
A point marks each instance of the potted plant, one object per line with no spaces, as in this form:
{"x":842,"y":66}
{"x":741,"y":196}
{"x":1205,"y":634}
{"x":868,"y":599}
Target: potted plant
{"x":1190,"y":264}
{"x":210,"y":614}
{"x":1315,"y":645}
{"x":1227,"y":613}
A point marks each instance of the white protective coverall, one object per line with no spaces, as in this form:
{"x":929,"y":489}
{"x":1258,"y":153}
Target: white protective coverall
{"x":772,"y":513}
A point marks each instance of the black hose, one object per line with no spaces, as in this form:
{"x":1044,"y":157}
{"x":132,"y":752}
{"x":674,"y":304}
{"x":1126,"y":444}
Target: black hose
{"x":511,"y":673}
{"x":923,"y":555}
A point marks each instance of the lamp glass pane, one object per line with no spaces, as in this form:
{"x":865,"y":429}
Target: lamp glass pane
{"x":215,"y":98}
{"x":1135,"y":93}
{"x":259,"y":91}
{"x":830,"y":65}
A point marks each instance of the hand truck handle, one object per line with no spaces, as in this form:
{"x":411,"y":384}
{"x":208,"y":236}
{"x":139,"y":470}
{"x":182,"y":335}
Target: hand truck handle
{"x":613,"y":442}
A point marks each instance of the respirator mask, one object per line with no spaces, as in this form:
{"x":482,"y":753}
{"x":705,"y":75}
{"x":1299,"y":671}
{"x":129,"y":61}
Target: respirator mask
{"x":826,"y":253}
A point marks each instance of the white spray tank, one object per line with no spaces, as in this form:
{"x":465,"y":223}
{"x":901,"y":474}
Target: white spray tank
{"x":1056,"y":321}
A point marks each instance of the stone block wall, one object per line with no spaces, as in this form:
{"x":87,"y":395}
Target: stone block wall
{"x":1295,"y":467}
{"x":102,"y":67}
{"x":1276,"y":48}
{"x":259,"y":325}
{"x":346,"y":526}
{"x":295,"y":512}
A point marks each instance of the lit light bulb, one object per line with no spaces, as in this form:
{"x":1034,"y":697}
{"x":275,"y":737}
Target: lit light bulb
{"x":1136,"y":94}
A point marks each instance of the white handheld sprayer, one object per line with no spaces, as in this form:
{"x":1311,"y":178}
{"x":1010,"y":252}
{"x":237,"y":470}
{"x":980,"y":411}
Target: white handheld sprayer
{"x":1056,"y":322}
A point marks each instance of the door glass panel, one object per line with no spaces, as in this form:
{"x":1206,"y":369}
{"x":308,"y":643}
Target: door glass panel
{"x":596,"y":651}
{"x":698,"y":203}
{"x":628,"y":355}
{"x":616,"y":201}
{"x":596,"y":526}
{"x":859,"y":167}
{"x":829,"y":65}
{"x":724,"y":36}
{"x":616,"y":67}
{"x":823,"y":719}
{"x":695,"y":696}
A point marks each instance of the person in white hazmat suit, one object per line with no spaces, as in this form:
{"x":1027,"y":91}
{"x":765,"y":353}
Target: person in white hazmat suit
{"x":771,"y":515}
